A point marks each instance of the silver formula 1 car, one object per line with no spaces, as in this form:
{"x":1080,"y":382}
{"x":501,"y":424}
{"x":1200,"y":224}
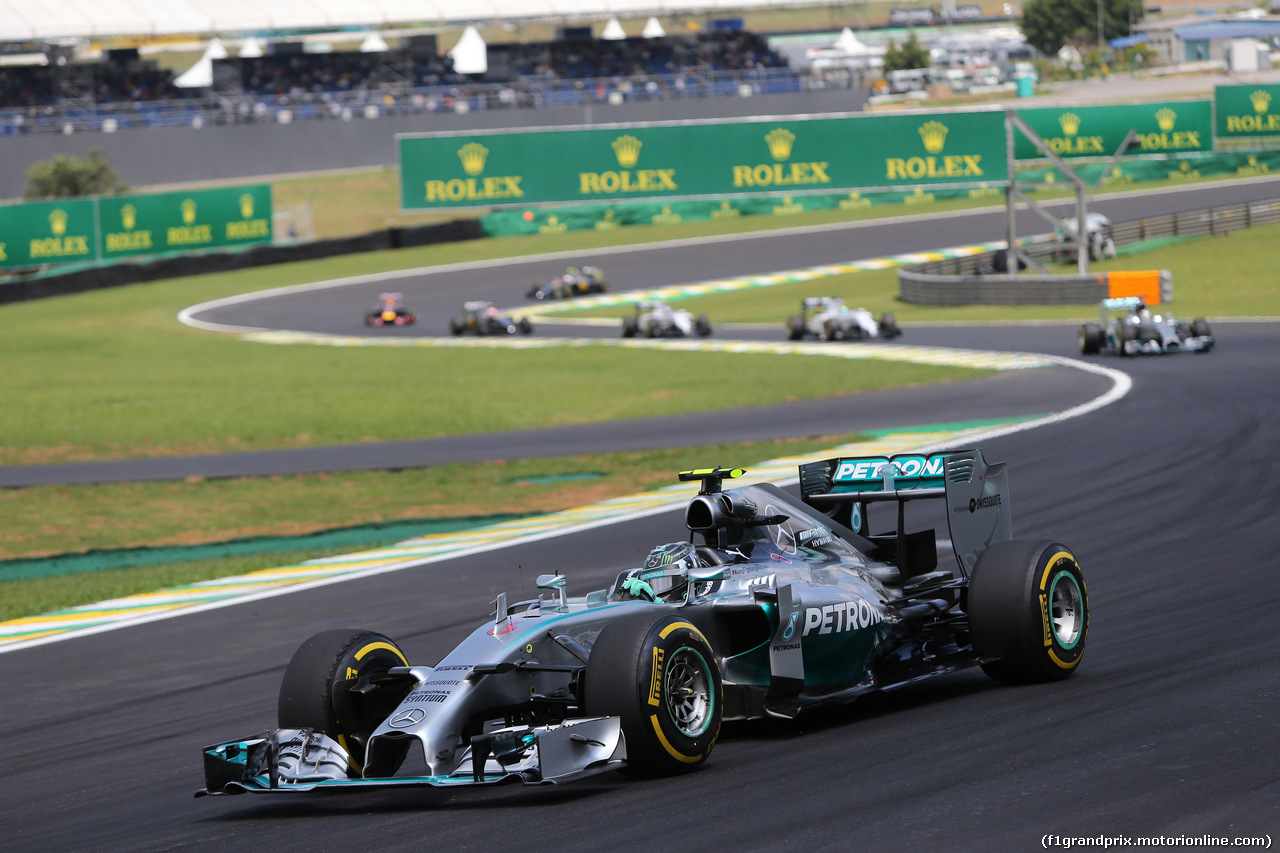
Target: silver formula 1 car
{"x":1137,"y":331}
{"x":772,"y":605}
{"x":827,"y":318}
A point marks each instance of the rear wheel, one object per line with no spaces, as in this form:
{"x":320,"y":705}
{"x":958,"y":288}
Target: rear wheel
{"x":307,"y":690}
{"x":659,"y":675}
{"x":457,"y":325}
{"x":1091,"y":339}
{"x":1200,"y":327}
{"x":630,"y":327}
{"x":795,"y":328}
{"x":1029,"y":608}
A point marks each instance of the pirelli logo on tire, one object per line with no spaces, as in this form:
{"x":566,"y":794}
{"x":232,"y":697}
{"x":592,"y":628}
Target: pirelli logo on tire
{"x":655,"y":680}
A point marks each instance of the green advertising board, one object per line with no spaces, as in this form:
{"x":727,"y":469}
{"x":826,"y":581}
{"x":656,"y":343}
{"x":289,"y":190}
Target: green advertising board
{"x":1246,"y":110}
{"x":182,"y":221}
{"x":1165,"y":127}
{"x":47,"y":232}
{"x":717,"y":159}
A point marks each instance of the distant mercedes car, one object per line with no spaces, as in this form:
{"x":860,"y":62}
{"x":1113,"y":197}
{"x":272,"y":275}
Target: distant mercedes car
{"x":390,"y":312}
{"x":483,"y":318}
{"x":1137,"y":331}
{"x":768,"y":605}
{"x":827,"y":318}
{"x":656,"y":319}
{"x":576,"y":281}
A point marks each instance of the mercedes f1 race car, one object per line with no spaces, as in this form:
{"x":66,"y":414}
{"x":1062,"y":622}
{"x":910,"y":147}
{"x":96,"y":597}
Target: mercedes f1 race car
{"x":828,"y":319}
{"x":483,"y":318}
{"x":1139,"y":332}
{"x":771,"y":605}
{"x":654,"y":319}
{"x":574,"y":282}
{"x":390,"y":312}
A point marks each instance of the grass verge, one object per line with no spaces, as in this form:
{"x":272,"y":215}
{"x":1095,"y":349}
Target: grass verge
{"x":58,"y":519}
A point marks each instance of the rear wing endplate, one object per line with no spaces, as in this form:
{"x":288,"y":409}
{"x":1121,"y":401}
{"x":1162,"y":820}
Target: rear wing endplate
{"x":976,"y":493}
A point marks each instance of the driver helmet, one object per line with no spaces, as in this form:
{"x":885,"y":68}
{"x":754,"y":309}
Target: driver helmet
{"x":663,"y":574}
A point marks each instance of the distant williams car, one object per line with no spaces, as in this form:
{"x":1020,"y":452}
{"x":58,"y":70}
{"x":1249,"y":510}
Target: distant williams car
{"x":656,"y":319}
{"x":576,"y":281}
{"x":770,"y":605}
{"x":1137,"y":331}
{"x":390,"y":312}
{"x":827,"y":318}
{"x":483,"y":318}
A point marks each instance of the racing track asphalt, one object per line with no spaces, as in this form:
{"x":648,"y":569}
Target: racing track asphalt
{"x":1168,"y":497}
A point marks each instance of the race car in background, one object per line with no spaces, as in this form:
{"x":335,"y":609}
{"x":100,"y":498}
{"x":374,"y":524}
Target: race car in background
{"x":767,"y":605}
{"x":483,"y":318}
{"x":390,"y":312}
{"x":828,"y":319}
{"x":1137,"y":331}
{"x":575,"y":282}
{"x":656,"y":319}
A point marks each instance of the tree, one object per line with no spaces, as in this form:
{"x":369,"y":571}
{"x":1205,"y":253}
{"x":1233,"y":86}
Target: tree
{"x":1050,"y":24}
{"x":69,"y":176}
{"x":912,"y":54}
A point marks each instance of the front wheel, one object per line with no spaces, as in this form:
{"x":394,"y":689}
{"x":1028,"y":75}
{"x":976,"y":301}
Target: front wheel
{"x":630,"y":327}
{"x":659,"y":675}
{"x":703,"y":325}
{"x":1028,"y":607}
{"x":525,"y":327}
{"x":307,"y":689}
{"x":889,"y":326}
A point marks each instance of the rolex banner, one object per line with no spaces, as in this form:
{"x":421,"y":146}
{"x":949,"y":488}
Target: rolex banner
{"x":713,"y":159}
{"x":46,"y":232}
{"x":1252,"y":110}
{"x":182,"y":221}
{"x":1172,"y":127}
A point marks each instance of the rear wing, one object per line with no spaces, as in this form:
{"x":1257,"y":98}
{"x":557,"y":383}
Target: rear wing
{"x":976,"y":494}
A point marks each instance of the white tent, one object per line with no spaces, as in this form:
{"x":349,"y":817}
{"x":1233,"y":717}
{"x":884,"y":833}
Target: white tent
{"x":200,"y":75}
{"x":613,"y":31}
{"x":470,"y":55}
{"x":848,"y":42}
{"x":251,"y":48}
{"x":374,"y":43}
{"x":653,"y":29}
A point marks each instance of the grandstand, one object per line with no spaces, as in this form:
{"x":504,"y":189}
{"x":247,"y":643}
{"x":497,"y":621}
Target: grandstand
{"x":89,"y":71}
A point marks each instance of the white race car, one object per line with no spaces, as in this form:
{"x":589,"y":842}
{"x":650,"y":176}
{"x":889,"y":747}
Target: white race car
{"x":655,"y":319}
{"x":828,"y":319}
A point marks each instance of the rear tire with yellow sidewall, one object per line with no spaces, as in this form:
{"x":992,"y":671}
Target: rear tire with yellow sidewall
{"x":657,"y":672}
{"x":306,"y":691}
{"x":1028,"y":606}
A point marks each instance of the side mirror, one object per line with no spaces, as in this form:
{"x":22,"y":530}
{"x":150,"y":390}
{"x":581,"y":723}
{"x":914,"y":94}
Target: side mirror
{"x":703,"y":575}
{"x":557,"y":582}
